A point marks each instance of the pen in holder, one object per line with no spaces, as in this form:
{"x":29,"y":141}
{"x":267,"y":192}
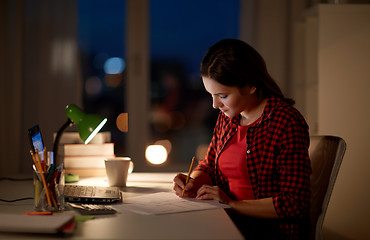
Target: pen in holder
{"x":48,"y":183}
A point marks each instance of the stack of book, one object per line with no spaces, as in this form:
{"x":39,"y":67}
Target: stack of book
{"x":86,"y":160}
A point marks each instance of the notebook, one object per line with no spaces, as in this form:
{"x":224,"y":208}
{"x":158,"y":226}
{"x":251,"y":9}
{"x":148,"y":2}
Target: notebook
{"x":57,"y":223}
{"x":91,"y":194}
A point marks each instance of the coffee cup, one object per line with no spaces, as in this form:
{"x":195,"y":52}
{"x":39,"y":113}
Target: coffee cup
{"x":117,"y":169}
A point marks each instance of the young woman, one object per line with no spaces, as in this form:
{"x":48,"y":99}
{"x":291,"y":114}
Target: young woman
{"x":257,"y":161}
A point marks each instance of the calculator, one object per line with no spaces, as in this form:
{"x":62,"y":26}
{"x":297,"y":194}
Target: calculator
{"x":93,"y":209}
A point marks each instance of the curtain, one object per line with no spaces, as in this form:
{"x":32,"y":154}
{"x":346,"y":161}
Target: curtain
{"x":40,"y":74}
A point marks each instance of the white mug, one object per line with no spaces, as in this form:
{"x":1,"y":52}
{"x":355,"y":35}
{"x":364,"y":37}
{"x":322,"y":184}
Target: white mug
{"x":117,"y":169}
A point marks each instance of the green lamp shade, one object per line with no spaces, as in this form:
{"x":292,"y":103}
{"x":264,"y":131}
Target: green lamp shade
{"x":88,"y":124}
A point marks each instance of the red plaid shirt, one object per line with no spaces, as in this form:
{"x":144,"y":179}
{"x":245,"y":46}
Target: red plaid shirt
{"x":277,"y":160}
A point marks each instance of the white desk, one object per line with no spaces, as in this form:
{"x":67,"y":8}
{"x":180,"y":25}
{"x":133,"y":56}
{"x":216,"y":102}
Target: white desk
{"x":208,"y":224}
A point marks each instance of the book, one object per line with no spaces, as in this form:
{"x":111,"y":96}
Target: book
{"x":94,"y":161}
{"x":85,"y":160}
{"x":74,"y":138}
{"x":86,"y":172}
{"x":35,"y":224}
{"x":86,"y":149}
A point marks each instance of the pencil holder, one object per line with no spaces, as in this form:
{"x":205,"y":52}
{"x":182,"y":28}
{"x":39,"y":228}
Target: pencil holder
{"x":48,"y":191}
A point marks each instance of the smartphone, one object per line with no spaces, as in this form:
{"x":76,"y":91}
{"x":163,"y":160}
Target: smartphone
{"x":36,"y":140}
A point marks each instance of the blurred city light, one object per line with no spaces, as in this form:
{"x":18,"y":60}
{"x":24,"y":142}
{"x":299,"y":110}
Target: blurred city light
{"x":93,"y":86}
{"x":114,"y":65}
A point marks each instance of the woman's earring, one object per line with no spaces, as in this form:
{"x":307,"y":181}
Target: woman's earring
{"x":253,"y":90}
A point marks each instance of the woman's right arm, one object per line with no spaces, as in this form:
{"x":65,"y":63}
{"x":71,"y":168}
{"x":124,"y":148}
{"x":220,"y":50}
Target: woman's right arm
{"x":197,"y":179}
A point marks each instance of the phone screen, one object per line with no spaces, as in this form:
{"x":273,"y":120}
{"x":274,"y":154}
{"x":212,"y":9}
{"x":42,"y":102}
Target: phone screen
{"x":36,"y":139}
{"x":37,"y":142}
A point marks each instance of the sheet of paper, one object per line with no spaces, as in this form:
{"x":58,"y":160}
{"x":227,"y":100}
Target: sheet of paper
{"x":165,"y":203}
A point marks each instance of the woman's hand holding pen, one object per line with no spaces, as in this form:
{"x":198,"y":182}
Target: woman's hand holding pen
{"x":179,"y":186}
{"x":197,"y":189}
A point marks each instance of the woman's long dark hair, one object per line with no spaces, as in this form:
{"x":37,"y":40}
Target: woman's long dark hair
{"x":233,"y":62}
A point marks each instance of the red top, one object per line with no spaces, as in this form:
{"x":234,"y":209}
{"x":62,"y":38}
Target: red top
{"x":232,"y":165}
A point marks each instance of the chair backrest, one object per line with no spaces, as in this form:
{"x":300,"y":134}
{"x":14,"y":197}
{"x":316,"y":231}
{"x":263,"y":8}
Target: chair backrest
{"x":326,"y":154}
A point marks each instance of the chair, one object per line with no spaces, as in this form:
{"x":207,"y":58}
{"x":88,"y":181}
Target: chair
{"x":326,"y":154}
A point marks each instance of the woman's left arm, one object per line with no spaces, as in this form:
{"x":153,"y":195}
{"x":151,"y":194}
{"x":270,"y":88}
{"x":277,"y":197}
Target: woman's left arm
{"x":259,"y":208}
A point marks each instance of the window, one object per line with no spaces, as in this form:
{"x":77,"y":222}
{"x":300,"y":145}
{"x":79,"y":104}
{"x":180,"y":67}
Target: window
{"x":181,"y":114}
{"x":180,"y":34}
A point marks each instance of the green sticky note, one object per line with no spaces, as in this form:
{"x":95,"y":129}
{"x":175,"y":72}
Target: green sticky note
{"x":83,"y":218}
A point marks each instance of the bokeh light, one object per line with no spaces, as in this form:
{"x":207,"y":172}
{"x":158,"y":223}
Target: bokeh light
{"x":114,"y":65}
{"x":113,"y":80}
{"x":156,"y":154}
{"x":93,"y":85}
{"x":122,"y":122}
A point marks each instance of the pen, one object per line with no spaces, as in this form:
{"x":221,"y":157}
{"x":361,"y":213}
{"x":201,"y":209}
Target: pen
{"x":187,"y":178}
{"x":39,"y":213}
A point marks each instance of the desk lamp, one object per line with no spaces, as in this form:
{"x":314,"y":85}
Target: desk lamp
{"x":88,"y":125}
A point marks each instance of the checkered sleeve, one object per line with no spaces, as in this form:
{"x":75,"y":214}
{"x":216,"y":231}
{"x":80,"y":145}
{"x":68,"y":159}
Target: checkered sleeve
{"x":294,"y":169}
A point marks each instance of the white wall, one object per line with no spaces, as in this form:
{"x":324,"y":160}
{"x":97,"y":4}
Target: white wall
{"x":344,"y":110}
